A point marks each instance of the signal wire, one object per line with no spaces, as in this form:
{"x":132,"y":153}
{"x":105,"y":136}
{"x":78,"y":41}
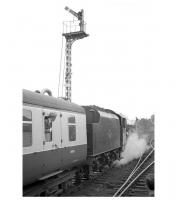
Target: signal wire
{"x":61,"y":58}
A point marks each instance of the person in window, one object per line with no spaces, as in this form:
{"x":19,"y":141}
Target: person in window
{"x":47,"y":124}
{"x":48,"y":129}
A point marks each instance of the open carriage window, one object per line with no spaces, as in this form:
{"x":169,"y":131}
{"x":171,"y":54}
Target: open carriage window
{"x":48,"y":129}
{"x":27,"y":128}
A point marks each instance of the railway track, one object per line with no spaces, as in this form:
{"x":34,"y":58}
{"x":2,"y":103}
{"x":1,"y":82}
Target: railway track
{"x":138,"y":187}
{"x":138,"y":174}
{"x":112,"y":182}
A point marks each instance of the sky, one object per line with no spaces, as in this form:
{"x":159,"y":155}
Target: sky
{"x":112,"y":68}
{"x":115,"y":67}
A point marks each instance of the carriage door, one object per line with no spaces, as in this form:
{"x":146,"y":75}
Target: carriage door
{"x":69,"y":138}
{"x":51,"y":127}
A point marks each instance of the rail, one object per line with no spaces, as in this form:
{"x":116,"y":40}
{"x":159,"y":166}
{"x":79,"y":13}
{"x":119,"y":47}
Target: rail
{"x":132,"y":173}
{"x":135,"y":178}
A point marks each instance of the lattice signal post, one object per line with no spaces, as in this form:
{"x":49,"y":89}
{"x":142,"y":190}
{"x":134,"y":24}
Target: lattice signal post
{"x":72,"y":32}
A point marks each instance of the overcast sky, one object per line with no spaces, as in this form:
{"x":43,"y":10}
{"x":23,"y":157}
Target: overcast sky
{"x":112,"y":68}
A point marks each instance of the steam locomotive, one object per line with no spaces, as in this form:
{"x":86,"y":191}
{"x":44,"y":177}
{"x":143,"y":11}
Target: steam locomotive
{"x":60,"y":136}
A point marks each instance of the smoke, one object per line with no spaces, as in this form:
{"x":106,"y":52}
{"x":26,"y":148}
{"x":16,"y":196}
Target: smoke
{"x":134,"y":148}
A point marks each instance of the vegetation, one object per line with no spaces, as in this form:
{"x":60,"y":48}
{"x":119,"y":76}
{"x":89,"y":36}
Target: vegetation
{"x":145,"y":126}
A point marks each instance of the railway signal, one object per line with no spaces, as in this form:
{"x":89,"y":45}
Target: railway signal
{"x":72,"y":31}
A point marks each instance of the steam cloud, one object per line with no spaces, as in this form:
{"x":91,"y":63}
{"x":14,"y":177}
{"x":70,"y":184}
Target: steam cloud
{"x":134,"y":148}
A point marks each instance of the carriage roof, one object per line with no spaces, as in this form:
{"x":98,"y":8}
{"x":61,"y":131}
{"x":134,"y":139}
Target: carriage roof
{"x":38,"y":99}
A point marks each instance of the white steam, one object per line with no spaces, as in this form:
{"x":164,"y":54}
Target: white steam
{"x":134,"y":148}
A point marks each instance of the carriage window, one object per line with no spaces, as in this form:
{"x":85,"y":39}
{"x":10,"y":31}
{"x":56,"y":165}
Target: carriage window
{"x":27,"y":115}
{"x":72,"y":128}
{"x":27,"y":128}
{"x":72,"y":132}
{"x":48,"y":129}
